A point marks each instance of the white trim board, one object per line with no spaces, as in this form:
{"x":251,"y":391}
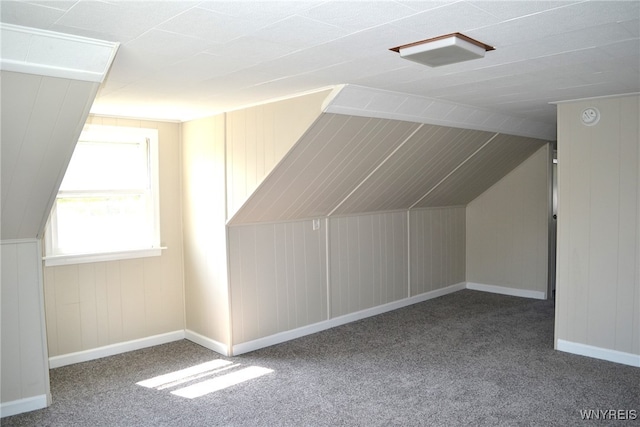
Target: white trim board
{"x":48,"y":53}
{"x":53,"y":54}
{"x":598,"y":353}
{"x":364,"y":101}
{"x":20,"y":406}
{"x":113,"y":349}
{"x":206,"y":342}
{"x":523,"y":293}
{"x":341,"y":320}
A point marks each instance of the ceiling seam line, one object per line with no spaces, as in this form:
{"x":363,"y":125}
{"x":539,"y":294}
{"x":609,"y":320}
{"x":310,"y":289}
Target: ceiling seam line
{"x":376,"y":168}
{"x":453,"y":171}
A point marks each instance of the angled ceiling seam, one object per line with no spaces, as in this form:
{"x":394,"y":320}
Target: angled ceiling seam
{"x":371,"y":135}
{"x":493,"y":137}
{"x":386,"y":159}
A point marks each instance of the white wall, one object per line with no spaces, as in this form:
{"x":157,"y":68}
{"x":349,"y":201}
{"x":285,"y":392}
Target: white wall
{"x":437,"y":251}
{"x":507,"y":230}
{"x":205,"y":238}
{"x":258,"y":137}
{"x":598,"y":272}
{"x":24,"y":368}
{"x":368,"y":261}
{"x":278,"y":278}
{"x":287,"y":279}
{"x":90,"y":306}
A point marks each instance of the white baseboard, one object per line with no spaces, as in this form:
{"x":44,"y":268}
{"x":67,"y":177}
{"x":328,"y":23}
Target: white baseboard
{"x":340,"y":320}
{"x":506,"y":291}
{"x":214,"y":345}
{"x":113,"y":349}
{"x":19,"y":406}
{"x":599,"y":353}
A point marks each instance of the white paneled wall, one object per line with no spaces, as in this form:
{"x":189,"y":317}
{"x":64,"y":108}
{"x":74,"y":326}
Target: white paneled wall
{"x":507,"y":229}
{"x":368,"y":261}
{"x":598,"y":276}
{"x":437,"y":239}
{"x":98,"y":304}
{"x":358,"y":177}
{"x":257,"y":139}
{"x":205,"y":238}
{"x":42,"y":119}
{"x":278,"y":278}
{"x":24,"y":365}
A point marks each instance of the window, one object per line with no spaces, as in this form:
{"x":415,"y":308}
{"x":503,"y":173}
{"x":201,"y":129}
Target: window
{"x":107,"y":205}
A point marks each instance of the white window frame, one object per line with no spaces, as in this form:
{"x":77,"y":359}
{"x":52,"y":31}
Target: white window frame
{"x":102,"y":133}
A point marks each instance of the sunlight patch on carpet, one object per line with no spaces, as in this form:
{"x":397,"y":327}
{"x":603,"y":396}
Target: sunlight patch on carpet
{"x":183,"y":375}
{"x":195,"y":375}
{"x":221,"y":382}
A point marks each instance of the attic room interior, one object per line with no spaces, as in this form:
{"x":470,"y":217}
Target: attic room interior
{"x":301,"y":174}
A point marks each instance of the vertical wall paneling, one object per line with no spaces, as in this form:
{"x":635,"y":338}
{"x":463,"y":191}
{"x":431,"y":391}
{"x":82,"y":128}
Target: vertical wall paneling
{"x":327,"y":237}
{"x":205,"y":234}
{"x":437,"y":248}
{"x":368,"y":256}
{"x":93,"y":305}
{"x":482,"y":170}
{"x":24,"y":358}
{"x":507,"y":229}
{"x":332,"y":158}
{"x":42,"y":119}
{"x":598,"y":285}
{"x":409,"y":253}
{"x":277,"y":275}
{"x":259,"y":137}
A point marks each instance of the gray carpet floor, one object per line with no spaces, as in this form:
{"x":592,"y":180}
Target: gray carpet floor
{"x":469,"y":358}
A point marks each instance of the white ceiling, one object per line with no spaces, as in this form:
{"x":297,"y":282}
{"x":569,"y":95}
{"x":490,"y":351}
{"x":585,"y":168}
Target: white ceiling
{"x":180,"y":60}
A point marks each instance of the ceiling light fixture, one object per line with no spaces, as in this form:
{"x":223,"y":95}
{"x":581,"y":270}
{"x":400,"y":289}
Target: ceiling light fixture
{"x":443,"y":50}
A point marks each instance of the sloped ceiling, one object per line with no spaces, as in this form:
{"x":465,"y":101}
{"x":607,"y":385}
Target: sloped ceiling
{"x":351,"y":165}
{"x":42,"y":118}
{"x":49,"y":82}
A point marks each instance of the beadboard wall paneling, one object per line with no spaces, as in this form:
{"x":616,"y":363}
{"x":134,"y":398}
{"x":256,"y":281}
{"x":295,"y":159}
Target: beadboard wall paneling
{"x":598,"y":270}
{"x":500,"y":156}
{"x":368,"y":261}
{"x":349,"y":165}
{"x":98,"y":304}
{"x":24,"y":359}
{"x":42,"y":118}
{"x":418,"y":165}
{"x":258,"y":138}
{"x":437,"y":248}
{"x":205,"y":247}
{"x":334,"y":156}
{"x":278,"y":278}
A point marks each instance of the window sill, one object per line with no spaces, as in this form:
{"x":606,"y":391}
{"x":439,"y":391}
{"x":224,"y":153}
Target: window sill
{"x":51,"y":261}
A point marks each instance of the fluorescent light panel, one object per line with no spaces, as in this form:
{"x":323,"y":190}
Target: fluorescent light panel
{"x":443,"y":50}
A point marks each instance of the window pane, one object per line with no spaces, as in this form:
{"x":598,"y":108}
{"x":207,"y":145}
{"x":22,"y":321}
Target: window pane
{"x":107,"y":166}
{"x":111,"y":223}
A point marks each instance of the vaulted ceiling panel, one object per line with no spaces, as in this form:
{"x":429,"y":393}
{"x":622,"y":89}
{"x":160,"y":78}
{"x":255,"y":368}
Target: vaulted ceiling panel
{"x":471,"y":178}
{"x":36,"y":150}
{"x":320,"y":171}
{"x":347,"y":165}
{"x":49,"y":82}
{"x":420,"y":164}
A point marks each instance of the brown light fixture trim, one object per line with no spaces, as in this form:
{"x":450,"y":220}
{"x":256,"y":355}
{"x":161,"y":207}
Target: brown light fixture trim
{"x":485,"y":46}
{"x":443,"y":50}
